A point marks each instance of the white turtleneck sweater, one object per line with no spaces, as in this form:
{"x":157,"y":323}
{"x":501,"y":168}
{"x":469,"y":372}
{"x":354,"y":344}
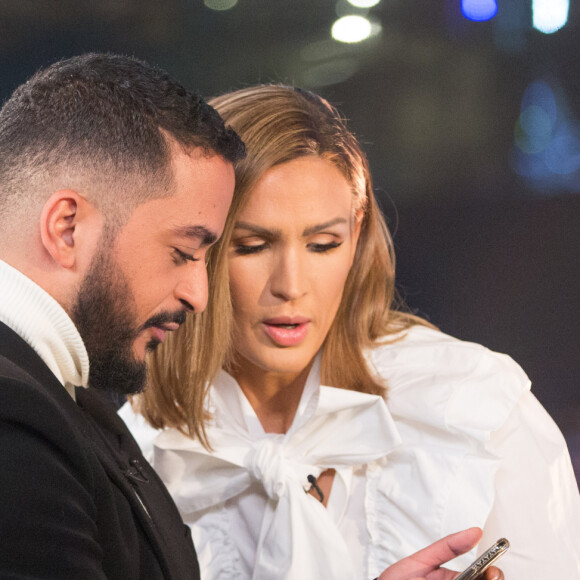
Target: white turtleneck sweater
{"x":42,"y":322}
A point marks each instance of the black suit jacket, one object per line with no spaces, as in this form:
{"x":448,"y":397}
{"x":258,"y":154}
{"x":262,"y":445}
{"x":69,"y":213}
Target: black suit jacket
{"x":77,"y":499}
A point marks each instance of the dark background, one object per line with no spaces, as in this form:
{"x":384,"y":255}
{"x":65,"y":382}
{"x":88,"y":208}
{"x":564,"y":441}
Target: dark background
{"x":484,"y":252}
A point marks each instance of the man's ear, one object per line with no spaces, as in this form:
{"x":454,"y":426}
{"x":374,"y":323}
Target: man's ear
{"x":63,"y":221}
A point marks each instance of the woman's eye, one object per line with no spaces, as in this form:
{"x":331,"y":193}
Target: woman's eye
{"x":180,"y":257}
{"x":251,"y":249}
{"x":321,"y":248}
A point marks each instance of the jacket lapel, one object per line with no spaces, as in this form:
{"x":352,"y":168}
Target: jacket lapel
{"x":104,"y":432}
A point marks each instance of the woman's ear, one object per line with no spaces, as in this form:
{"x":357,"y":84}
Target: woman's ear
{"x":63,"y":216}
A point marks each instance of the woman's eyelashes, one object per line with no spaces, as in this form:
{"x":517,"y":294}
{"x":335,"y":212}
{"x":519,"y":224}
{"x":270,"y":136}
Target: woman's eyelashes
{"x":244,"y":250}
{"x":321,"y":248}
{"x":316,"y":247}
{"x":180,"y":257}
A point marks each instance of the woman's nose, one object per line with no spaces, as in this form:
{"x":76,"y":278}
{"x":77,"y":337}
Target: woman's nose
{"x":288,"y":279}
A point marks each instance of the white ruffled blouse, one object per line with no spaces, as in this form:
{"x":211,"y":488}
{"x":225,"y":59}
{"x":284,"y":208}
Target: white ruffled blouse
{"x":463,"y":443}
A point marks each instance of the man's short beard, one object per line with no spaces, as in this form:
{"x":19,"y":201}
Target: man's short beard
{"x":105,"y":319}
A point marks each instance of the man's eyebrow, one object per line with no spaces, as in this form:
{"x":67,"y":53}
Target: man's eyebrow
{"x":206,"y":236}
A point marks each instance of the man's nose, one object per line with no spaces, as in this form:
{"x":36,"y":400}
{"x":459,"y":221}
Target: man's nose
{"x":192,"y":289}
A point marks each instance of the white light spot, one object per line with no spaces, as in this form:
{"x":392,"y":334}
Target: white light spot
{"x":548,"y":16}
{"x":351,"y":29}
{"x":363,"y":3}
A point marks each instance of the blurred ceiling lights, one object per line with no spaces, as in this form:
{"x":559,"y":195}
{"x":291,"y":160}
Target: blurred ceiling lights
{"x":344,"y":51}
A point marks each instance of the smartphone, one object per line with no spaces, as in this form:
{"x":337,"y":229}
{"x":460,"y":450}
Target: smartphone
{"x":482,"y":563}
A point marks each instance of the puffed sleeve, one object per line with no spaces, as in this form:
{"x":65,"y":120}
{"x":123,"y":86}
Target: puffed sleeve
{"x":536,"y":504}
{"x":456,"y":406}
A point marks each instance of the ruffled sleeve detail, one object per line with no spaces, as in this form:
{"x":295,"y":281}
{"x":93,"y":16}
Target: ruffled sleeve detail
{"x":447,"y":397}
{"x":216,"y":551}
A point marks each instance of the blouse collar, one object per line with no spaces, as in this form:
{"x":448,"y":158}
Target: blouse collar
{"x":228,"y":403}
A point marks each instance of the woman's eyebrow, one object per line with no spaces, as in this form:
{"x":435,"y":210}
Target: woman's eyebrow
{"x":309,"y":230}
{"x":258,"y":229}
{"x":318,"y":227}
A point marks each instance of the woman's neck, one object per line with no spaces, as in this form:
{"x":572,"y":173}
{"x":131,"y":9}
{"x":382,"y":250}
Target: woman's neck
{"x":274,"y":397}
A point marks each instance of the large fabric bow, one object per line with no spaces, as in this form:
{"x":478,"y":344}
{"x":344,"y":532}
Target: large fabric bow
{"x":297,"y":539}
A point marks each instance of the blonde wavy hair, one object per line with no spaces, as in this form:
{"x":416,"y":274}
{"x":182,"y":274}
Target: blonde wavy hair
{"x":278,"y":124}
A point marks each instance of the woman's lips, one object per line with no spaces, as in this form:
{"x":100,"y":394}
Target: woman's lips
{"x":287,"y":331}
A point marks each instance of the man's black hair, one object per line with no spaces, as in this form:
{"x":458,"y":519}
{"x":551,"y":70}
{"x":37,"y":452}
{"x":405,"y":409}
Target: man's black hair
{"x":100,"y":111}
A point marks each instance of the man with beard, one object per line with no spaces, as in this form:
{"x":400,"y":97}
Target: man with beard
{"x":114,"y":181}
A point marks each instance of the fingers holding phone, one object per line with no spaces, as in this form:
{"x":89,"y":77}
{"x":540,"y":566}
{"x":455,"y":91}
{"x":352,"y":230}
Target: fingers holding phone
{"x":426,"y":564}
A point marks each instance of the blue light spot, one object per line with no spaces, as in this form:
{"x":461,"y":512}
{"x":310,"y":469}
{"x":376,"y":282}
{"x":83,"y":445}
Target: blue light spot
{"x":479,"y":10}
{"x":540,"y":93}
{"x":546,"y":148}
{"x":563,"y":157}
{"x":533,"y":130}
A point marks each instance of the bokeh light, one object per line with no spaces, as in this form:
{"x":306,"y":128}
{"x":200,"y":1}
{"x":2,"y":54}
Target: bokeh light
{"x":548,"y":16}
{"x":547,"y":141}
{"x":363,"y":3}
{"x":479,"y":10}
{"x":533,"y":130}
{"x":351,"y":28}
{"x":220,"y":4}
{"x":329,"y":73}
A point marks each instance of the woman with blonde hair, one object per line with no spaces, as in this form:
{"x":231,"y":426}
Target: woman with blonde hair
{"x":304,"y":296}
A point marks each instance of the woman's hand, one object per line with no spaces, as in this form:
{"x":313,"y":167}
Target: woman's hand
{"x":425,"y":564}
